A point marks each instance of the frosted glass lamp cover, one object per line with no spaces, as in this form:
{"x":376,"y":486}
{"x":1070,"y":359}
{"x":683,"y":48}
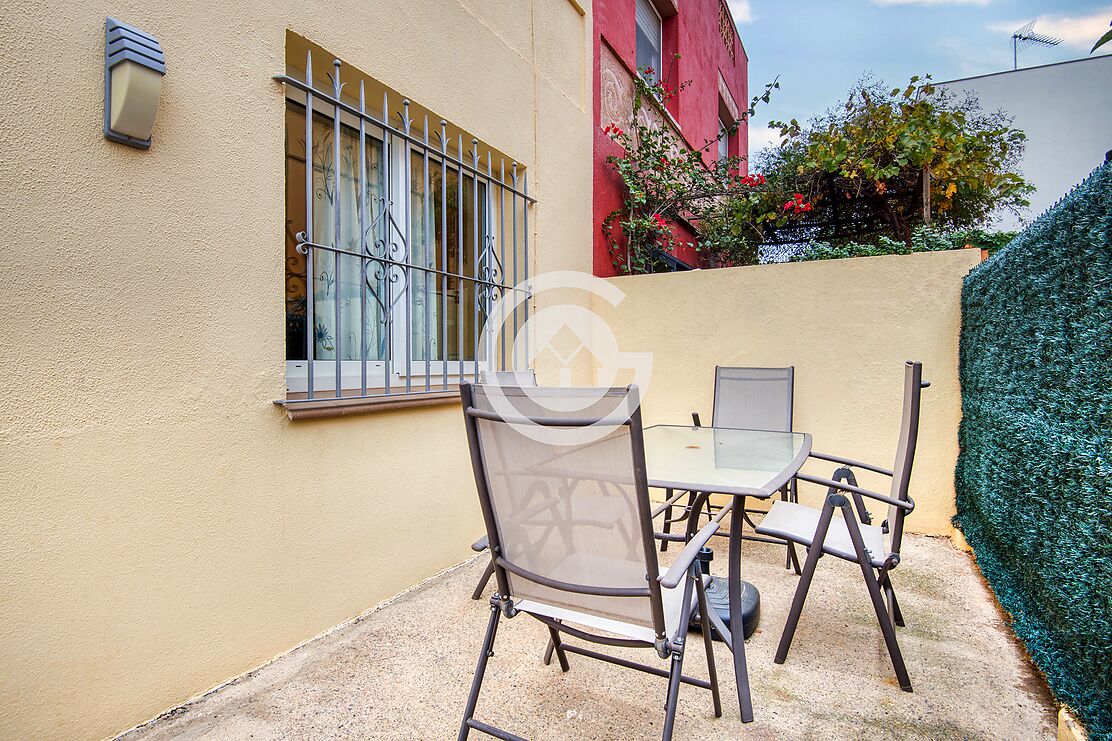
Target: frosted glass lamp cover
{"x":133,"y":70}
{"x":135,"y":94}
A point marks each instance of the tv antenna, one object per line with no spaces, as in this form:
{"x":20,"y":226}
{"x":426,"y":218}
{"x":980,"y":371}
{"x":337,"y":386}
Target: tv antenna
{"x":1028,"y":36}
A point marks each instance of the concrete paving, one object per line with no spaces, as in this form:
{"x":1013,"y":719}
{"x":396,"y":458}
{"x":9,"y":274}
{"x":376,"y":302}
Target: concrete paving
{"x":403,"y":671}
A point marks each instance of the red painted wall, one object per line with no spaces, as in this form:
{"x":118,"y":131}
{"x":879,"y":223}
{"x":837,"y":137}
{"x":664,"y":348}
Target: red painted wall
{"x":694,"y":33}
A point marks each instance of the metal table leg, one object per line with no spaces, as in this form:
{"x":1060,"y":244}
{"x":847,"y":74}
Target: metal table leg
{"x":737,"y":643}
{"x":734,"y":635}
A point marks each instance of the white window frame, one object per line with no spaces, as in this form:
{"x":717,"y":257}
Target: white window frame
{"x":723,"y":138}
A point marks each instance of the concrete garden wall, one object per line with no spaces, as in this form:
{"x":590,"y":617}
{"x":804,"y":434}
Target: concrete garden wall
{"x":846,"y":325}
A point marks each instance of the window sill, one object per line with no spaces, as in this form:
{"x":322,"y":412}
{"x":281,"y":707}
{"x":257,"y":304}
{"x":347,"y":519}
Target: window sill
{"x":297,"y":409}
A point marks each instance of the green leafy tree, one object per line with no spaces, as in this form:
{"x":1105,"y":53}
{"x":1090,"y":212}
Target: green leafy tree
{"x":865,"y":176}
{"x":886,"y":161}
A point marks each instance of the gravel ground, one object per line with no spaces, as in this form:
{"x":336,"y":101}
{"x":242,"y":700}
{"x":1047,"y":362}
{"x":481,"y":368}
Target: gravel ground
{"x":403,"y":670}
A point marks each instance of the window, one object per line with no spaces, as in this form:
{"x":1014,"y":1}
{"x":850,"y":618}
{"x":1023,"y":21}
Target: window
{"x":723,"y":139}
{"x":648,"y":38}
{"x":400,"y":241}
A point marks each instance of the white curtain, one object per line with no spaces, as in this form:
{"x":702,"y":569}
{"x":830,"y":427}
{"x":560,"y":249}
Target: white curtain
{"x":338,"y":278}
{"x":431,"y":300}
{"x":425,"y":234}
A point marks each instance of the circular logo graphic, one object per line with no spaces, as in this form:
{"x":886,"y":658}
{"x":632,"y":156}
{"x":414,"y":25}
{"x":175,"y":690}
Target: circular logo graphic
{"x":572,"y":335}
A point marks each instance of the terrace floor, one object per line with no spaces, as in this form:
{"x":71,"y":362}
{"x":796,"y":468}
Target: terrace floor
{"x":403,"y":670}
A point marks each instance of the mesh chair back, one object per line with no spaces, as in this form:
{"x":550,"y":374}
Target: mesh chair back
{"x":754,"y":398}
{"x":526,"y":377}
{"x":566,"y":501}
{"x":905,"y":450}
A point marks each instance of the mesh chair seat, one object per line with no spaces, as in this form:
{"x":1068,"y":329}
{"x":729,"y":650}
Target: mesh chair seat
{"x":753,"y":398}
{"x":560,"y":474}
{"x":673,"y":608}
{"x":797,"y":523}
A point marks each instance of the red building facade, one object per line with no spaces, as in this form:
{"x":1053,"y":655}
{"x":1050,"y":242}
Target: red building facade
{"x":635,"y":33}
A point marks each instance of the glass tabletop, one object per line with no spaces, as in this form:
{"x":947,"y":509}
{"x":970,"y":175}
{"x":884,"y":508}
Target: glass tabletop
{"x":723,"y":460}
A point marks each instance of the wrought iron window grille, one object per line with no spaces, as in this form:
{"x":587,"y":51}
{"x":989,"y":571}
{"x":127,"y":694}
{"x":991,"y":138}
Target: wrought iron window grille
{"x":426,"y":281}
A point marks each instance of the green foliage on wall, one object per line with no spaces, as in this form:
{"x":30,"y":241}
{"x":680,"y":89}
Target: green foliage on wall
{"x":1034,"y":477}
{"x":923,"y":239}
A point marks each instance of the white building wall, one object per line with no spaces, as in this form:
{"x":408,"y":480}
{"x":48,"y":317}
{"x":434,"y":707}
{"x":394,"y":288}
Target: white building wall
{"x":1066,"y":111}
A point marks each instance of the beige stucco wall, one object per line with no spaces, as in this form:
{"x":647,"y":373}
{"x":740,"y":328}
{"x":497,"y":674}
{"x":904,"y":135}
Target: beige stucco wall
{"x":165,"y":527}
{"x":846,"y":325}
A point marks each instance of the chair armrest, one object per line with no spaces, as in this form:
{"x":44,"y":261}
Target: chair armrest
{"x":908,"y":505}
{"x":668,"y":503}
{"x":679,"y":569}
{"x":850,"y":462}
{"x":480,"y":545}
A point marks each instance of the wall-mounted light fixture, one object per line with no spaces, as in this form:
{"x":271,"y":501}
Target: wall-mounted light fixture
{"x":133,"y":70}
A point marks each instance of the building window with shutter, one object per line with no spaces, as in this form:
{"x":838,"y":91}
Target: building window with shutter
{"x":648,"y":38}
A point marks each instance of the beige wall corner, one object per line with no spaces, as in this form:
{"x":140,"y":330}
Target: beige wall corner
{"x":846,"y":325}
{"x":1069,"y":728}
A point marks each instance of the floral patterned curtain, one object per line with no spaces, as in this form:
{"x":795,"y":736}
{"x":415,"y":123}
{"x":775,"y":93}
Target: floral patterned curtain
{"x":338,"y":278}
{"x":441,"y":221}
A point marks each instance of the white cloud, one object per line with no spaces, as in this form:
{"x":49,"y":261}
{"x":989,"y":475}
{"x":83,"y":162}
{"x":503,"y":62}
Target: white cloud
{"x":931,"y":2}
{"x":761,"y":137}
{"x":742,"y":10}
{"x":1077,"y":31}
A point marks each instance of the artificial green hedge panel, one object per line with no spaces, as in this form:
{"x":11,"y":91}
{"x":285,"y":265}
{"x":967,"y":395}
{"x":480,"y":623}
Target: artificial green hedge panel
{"x":1034,"y":478}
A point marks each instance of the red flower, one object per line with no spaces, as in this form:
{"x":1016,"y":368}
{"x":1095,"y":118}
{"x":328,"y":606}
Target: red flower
{"x":659,"y":221}
{"x":788,"y":206}
{"x":806,"y":207}
{"x":798,"y":197}
{"x":648,"y":70}
{"x":760,"y":179}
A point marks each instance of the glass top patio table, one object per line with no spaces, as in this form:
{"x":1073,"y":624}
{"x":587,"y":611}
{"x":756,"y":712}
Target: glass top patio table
{"x":721,"y":460}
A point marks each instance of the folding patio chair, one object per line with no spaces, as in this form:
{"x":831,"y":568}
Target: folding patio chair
{"x":751,"y":399}
{"x":526,"y":377}
{"x":562,"y":486}
{"x":856,"y":538}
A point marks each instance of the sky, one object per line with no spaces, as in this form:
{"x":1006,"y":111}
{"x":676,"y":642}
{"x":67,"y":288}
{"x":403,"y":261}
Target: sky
{"x":819,"y":48}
